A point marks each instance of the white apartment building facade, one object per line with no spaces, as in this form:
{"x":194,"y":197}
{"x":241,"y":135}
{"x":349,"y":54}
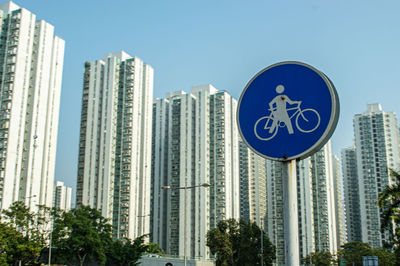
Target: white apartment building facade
{"x":316,"y":205}
{"x":62,"y":196}
{"x":31,"y":60}
{"x":339,"y":208}
{"x":253,"y":186}
{"x":377,"y":151}
{"x":274,"y":220}
{"x":323,"y":191}
{"x":351,"y":194}
{"x":115,"y":142}
{"x":195,"y":141}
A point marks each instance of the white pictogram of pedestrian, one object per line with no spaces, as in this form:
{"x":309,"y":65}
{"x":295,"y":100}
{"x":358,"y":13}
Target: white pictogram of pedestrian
{"x":279,"y":110}
{"x":266,"y":127}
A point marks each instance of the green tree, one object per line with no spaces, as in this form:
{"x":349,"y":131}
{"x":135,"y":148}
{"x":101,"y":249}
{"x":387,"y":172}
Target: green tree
{"x":11,"y":244}
{"x":22,"y":234}
{"x":219,"y":241}
{"x":321,"y":258}
{"x":389,"y":204}
{"x":352,"y":253}
{"x":389,"y":201}
{"x":127,"y":252}
{"x":239,"y":243}
{"x":385,"y":257}
{"x":154,"y":248}
{"x":80,"y":235}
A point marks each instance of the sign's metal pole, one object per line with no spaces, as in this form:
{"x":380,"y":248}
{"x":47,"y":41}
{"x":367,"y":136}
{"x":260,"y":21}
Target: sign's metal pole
{"x":291,"y":227}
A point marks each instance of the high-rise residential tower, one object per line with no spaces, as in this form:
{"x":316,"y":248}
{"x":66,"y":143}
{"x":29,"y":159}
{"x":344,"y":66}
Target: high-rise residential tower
{"x":31,"y":61}
{"x":377,"y":151}
{"x":316,"y":205}
{"x":115,"y":142}
{"x":323,"y":193}
{"x":339,"y":212}
{"x":195,"y":141}
{"x":62,"y":196}
{"x":351,"y":194}
{"x":274,"y":220}
{"x":253,"y":190}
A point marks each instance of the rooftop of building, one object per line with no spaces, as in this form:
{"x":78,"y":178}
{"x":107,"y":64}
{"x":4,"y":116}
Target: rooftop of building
{"x":9,"y":6}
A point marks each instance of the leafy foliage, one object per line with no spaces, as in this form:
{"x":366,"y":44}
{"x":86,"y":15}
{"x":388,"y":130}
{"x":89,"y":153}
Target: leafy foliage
{"x":389,"y":203}
{"x":239,"y":243}
{"x":154,"y":248}
{"x":22,"y":234}
{"x":81,"y":234}
{"x":385,"y":257}
{"x":126,"y":252}
{"x":11,"y":244}
{"x":353,"y":252}
{"x":319,"y":258}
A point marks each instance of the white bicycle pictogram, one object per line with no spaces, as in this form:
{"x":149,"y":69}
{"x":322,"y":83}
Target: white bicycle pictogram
{"x":306,"y":120}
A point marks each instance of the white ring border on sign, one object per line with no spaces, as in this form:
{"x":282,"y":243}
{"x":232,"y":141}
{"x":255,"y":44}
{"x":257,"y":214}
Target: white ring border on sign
{"x":329,"y":129}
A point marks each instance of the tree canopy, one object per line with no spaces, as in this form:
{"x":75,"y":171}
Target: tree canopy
{"x":352,"y":254}
{"x":81,"y":234}
{"x":127,"y":253}
{"x":22,"y":234}
{"x":79,"y":237}
{"x":239,"y":243}
{"x":321,"y":258}
{"x":389,"y":204}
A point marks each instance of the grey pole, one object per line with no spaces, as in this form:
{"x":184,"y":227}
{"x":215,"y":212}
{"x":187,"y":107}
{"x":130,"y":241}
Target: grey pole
{"x":291,"y":227}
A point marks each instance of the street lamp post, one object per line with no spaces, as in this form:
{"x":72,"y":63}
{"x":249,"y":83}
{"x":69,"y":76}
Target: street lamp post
{"x":206,"y":185}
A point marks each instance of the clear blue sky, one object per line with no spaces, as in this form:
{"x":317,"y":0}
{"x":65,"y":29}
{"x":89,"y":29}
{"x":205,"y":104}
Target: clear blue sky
{"x":224,"y":43}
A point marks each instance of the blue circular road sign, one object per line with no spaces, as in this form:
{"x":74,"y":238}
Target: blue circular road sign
{"x":288,"y":111}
